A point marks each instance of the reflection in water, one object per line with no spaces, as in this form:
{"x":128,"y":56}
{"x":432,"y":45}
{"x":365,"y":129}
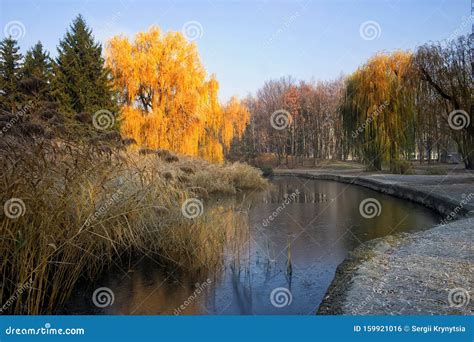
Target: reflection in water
{"x":275,"y":239}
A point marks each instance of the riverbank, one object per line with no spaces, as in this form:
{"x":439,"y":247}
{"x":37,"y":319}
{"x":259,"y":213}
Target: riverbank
{"x":407,"y":273}
{"x":72,"y":209}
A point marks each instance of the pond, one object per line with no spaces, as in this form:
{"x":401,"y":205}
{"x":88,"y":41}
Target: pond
{"x":294,"y":237}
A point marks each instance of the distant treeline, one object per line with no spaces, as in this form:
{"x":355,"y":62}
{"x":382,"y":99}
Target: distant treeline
{"x":397,"y":106}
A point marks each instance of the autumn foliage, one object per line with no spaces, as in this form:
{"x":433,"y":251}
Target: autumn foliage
{"x":379,"y":97}
{"x":168,"y":101}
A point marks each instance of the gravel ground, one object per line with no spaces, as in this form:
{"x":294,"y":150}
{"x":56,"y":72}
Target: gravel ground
{"x":408,"y":274}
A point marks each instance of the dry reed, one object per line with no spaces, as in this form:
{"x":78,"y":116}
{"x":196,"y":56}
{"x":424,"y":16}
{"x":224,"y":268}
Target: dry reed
{"x":85,"y":206}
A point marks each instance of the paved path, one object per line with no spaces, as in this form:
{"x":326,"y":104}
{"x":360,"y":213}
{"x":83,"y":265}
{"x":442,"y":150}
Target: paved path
{"x":429,"y":272}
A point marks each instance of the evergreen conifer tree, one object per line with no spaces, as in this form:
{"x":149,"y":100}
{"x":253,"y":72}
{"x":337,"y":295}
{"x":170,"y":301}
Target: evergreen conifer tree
{"x":37,"y":72}
{"x":81,"y":82}
{"x":10,"y":75}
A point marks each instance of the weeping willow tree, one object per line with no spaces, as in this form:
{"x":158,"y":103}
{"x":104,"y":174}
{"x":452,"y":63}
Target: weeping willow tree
{"x":378,"y":109}
{"x":167,"y":100}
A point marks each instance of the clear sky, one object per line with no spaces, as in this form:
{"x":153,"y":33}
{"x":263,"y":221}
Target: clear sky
{"x":248,"y":42}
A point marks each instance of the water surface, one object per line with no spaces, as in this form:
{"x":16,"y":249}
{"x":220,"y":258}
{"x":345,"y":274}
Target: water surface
{"x":294,"y":235}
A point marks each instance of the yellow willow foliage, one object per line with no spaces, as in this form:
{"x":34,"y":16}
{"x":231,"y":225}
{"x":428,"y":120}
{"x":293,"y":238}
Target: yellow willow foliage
{"x":383,"y":80}
{"x":236,"y":118}
{"x":168,"y":101}
{"x":379,"y":97}
{"x":212,"y":149}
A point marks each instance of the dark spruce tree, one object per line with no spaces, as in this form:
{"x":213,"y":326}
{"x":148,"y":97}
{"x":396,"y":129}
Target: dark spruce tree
{"x":81,"y":83}
{"x":37,"y":73}
{"x":37,"y":63}
{"x":10,"y":75}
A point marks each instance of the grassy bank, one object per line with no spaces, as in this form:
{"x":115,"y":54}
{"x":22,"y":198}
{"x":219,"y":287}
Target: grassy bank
{"x":71,"y":209}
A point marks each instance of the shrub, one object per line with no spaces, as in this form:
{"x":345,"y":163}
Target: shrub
{"x":435,"y":171}
{"x":267,"y":170}
{"x":401,"y":167}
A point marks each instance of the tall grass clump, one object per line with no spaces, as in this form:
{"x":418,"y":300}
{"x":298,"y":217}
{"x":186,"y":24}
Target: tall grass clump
{"x":87,"y":205}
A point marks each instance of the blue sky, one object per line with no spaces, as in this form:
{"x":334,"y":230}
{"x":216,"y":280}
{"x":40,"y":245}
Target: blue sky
{"x":248,"y":42}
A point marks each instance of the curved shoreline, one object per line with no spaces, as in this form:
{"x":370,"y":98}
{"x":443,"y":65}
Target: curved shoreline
{"x":405,"y":273}
{"x":442,"y":205}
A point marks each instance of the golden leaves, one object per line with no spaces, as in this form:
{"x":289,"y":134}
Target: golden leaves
{"x":168,"y":102}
